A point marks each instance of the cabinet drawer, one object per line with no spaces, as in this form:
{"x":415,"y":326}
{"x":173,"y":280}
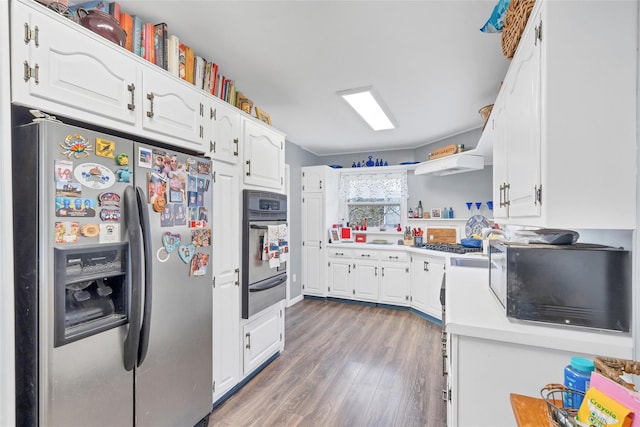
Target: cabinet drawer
{"x":363,"y":254}
{"x":339,"y":253}
{"x":393,"y":256}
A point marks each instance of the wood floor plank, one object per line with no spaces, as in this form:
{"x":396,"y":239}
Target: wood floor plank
{"x":345,"y":365}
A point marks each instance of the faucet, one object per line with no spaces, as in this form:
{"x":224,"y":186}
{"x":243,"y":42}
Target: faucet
{"x":487,"y":231}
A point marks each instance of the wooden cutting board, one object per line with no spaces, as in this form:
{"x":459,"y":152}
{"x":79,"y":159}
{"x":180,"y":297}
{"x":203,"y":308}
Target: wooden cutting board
{"x":441,"y":235}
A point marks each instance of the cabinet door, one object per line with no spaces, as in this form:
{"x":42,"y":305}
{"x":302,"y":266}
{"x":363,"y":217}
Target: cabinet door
{"x":226,"y":292}
{"x":313,"y":179}
{"x":523,"y":127}
{"x":365,"y":280}
{"x":263,"y":153}
{"x":500,"y":175}
{"x":435,"y":267}
{"x":75,"y":72}
{"x":173,"y":110}
{"x":419,"y":282}
{"x":224,"y":132}
{"x":340,"y":283}
{"x":313,"y":232}
{"x":262,"y":338}
{"x":394,"y":283}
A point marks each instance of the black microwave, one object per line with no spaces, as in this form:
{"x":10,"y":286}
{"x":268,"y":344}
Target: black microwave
{"x":583,"y":285}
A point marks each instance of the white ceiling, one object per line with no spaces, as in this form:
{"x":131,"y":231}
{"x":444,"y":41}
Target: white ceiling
{"x":427,"y":59}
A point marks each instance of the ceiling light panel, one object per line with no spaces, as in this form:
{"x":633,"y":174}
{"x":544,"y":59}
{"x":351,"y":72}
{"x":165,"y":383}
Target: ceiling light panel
{"x":370,"y":107}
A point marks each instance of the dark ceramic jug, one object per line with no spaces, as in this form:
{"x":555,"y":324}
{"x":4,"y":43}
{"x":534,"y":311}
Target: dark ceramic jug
{"x":103,"y":24}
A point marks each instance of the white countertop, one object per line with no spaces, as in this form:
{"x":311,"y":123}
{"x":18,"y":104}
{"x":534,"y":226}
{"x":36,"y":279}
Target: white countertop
{"x":473,"y":310}
{"x":410,"y":249}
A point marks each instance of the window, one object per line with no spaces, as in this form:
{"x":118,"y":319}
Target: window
{"x":378,"y":197}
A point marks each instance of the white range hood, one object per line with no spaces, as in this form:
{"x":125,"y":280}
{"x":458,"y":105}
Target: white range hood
{"x":467,"y":161}
{"x":456,"y":163}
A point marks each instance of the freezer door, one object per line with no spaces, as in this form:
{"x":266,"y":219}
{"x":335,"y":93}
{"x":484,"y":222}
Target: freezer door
{"x":65,"y":177}
{"x":174,"y":381}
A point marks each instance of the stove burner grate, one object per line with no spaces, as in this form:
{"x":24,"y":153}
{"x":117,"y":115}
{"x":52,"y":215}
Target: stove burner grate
{"x":450,"y":247}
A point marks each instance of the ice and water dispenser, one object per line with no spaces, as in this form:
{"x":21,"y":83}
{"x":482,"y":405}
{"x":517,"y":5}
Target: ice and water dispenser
{"x":91,"y":291}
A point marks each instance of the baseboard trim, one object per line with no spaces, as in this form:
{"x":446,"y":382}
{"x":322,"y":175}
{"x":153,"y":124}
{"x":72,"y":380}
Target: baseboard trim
{"x":295,"y":300}
{"x":243,"y":382}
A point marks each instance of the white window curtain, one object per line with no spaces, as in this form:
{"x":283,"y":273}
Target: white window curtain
{"x":372,"y":185}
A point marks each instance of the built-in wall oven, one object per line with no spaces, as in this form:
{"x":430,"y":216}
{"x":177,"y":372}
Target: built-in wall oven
{"x":263,"y":283}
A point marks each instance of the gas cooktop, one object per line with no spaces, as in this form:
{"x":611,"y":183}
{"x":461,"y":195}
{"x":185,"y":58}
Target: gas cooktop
{"x":455,"y":248}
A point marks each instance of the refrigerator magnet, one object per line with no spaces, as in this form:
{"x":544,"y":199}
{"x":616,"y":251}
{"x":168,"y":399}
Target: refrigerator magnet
{"x":68,"y":189}
{"x":105,"y":148}
{"x":64,"y":169}
{"x":187,"y":252}
{"x":201,"y":237}
{"x":144,"y":158}
{"x":124,"y":175}
{"x":122,"y":159}
{"x":76,"y":146}
{"x":179,"y":214}
{"x":199,"y":264}
{"x":109,"y":233}
{"x":171,"y":241}
{"x":90,"y":230}
{"x":94,"y":175}
{"x":67,"y":232}
{"x":109,"y":199}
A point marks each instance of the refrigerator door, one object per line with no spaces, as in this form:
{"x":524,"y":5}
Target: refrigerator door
{"x":173,"y":381}
{"x":72,"y":178}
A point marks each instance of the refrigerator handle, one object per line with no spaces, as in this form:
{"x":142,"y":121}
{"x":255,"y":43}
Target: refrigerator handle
{"x":148,"y":279}
{"x":132,"y":224}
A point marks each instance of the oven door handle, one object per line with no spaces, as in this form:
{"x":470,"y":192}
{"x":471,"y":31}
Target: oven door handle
{"x":268,"y":284}
{"x":261,"y":227}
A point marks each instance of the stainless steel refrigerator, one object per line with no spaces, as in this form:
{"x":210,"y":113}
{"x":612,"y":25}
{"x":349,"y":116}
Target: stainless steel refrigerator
{"x":113,"y":280}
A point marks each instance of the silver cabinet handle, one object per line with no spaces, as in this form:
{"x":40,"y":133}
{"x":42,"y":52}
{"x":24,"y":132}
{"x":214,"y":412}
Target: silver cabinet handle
{"x":426,"y":266}
{"x":365,"y":255}
{"x":248,"y":335}
{"x":249,"y":164}
{"x":382,"y":271}
{"x":339,"y":253}
{"x":376,"y":271}
{"x":150,"y":98}
{"x":393,"y":257}
{"x":349,"y":269}
{"x":237,"y":282}
{"x":132,"y":88}
{"x":235,"y":141}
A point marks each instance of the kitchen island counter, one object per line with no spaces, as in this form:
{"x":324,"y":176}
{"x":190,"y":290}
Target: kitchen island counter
{"x":473,"y":310}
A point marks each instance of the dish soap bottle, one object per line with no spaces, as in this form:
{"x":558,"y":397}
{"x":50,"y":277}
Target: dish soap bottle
{"x":420,"y":212}
{"x":364,"y":224}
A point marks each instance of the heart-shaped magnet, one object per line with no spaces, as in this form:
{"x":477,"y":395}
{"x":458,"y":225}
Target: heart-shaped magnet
{"x":170,"y":241}
{"x":187,"y":252}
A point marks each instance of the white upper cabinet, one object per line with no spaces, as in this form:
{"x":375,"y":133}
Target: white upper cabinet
{"x":172,"y":110}
{"x":224,"y":132}
{"x":263,"y":154}
{"x":565,"y":121}
{"x":64,"y":69}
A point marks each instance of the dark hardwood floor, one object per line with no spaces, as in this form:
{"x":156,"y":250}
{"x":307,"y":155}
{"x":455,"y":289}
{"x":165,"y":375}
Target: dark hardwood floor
{"x":345,"y":365}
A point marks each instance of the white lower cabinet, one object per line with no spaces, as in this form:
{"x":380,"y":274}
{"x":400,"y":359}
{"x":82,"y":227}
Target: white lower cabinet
{"x":394,"y":278}
{"x":365,"y":276}
{"x":263,"y":337}
{"x":340,"y":276}
{"x":483,"y":373}
{"x":426,"y":279}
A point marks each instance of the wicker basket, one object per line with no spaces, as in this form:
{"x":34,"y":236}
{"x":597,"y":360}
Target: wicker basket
{"x":559,"y":416}
{"x":613,"y":369}
{"x":514,"y":22}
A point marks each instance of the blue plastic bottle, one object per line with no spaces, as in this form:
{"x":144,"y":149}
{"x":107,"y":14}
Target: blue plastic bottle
{"x":577,"y":376}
